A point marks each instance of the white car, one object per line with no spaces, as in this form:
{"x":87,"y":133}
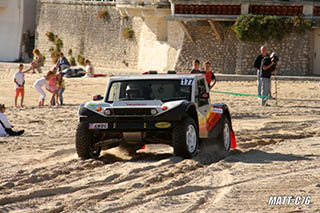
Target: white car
{"x":171,"y":109}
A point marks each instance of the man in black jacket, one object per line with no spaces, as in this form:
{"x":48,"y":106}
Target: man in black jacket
{"x":257,"y":65}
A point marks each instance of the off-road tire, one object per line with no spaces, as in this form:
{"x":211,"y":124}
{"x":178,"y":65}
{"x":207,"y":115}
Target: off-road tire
{"x":224,"y":139}
{"x":85,"y":142}
{"x":179,"y":141}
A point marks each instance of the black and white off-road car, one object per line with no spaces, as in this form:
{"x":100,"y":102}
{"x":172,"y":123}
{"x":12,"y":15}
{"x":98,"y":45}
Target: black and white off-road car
{"x":171,"y":109}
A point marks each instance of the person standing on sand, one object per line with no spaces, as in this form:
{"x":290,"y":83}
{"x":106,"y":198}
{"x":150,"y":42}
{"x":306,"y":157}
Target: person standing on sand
{"x":61,"y":86}
{"x":268,"y":67}
{"x":257,"y":65}
{"x":40,"y":83}
{"x":210,"y":77}
{"x":5,"y":126}
{"x":19,"y":81}
{"x":52,"y":82}
{"x":196,"y":67}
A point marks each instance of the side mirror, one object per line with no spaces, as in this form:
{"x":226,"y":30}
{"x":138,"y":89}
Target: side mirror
{"x":97,"y":97}
{"x":204,"y":96}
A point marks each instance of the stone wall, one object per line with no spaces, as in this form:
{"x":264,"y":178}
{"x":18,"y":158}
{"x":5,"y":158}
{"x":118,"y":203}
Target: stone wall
{"x":294,"y":52}
{"x":236,"y":57}
{"x":80,"y":28}
{"x":221,"y":53}
{"x":158,"y":44}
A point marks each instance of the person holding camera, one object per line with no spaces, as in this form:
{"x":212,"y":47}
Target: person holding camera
{"x":268,"y":67}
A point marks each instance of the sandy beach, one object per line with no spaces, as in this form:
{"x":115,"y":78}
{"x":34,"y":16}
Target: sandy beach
{"x":278,"y":154}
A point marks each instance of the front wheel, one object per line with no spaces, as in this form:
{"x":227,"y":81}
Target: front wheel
{"x":186,"y":138}
{"x":85,"y":142}
{"x":225,"y":135}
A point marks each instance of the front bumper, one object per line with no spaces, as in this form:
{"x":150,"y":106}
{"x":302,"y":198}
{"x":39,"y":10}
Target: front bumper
{"x":130,"y":125}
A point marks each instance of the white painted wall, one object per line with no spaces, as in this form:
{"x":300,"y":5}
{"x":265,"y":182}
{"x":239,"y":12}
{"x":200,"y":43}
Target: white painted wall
{"x":11,"y":26}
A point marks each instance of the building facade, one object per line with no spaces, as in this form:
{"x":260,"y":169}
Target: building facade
{"x":168,"y":35}
{"x":17,"y":21}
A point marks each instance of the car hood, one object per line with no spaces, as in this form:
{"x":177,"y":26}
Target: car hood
{"x":130,"y":104}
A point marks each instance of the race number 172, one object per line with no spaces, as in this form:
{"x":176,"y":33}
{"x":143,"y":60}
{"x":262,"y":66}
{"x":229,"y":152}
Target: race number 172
{"x":289,"y":200}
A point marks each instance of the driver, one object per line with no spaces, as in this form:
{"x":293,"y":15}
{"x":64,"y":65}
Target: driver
{"x":132,"y":91}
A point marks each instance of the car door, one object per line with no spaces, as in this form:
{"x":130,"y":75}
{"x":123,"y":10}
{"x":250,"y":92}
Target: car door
{"x":203,"y":106}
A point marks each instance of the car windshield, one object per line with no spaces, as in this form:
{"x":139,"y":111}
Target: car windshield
{"x":164,"y":90}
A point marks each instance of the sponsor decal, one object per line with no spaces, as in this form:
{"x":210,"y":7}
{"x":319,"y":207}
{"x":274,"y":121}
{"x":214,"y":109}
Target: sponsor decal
{"x":136,"y":104}
{"x":163,"y":125}
{"x":98,"y":125}
{"x":91,"y":104}
{"x":217,"y":110}
{"x":186,"y":81}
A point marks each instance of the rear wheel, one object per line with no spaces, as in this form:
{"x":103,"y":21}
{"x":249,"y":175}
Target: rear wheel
{"x":225,"y":135}
{"x":85,"y":142}
{"x":186,"y":138}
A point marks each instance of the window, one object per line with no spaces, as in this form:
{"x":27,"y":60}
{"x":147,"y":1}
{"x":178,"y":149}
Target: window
{"x":164,"y":90}
{"x":201,"y":90}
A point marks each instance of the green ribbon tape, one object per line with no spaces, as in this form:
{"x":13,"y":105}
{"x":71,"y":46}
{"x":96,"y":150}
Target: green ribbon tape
{"x":240,"y":94}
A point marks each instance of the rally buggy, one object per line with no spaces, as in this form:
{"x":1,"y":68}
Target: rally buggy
{"x":171,"y":109}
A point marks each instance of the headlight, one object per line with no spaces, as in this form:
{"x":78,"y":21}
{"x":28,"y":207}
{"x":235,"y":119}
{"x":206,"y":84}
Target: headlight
{"x":153,"y":111}
{"x":107,"y":112}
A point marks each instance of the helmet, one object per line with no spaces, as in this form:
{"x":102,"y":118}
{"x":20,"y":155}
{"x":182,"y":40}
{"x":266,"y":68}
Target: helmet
{"x":132,"y":91}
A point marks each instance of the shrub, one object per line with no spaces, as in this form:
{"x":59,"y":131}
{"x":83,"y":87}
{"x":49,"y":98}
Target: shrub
{"x":59,"y":43}
{"x":81,"y":60}
{"x":54,"y":56}
{"x":50,"y":36}
{"x":43,"y":60}
{"x":103,"y":14}
{"x":125,"y":63}
{"x":51,"y":49}
{"x":70,"y":52}
{"x":262,"y":28}
{"x":72,"y":61}
{"x":127,"y":33}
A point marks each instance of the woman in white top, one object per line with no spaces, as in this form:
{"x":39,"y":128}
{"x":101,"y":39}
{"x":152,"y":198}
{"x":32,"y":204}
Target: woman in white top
{"x":40,"y":83}
{"x":5,"y":126}
{"x":90,"y":70}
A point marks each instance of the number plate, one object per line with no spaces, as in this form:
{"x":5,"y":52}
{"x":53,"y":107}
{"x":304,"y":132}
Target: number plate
{"x":98,"y":125}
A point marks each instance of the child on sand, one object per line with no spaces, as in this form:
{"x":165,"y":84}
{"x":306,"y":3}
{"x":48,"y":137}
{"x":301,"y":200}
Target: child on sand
{"x":40,"y":83}
{"x":5,"y":126}
{"x":61,"y":86}
{"x":19,"y":85}
{"x":52,"y":81}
